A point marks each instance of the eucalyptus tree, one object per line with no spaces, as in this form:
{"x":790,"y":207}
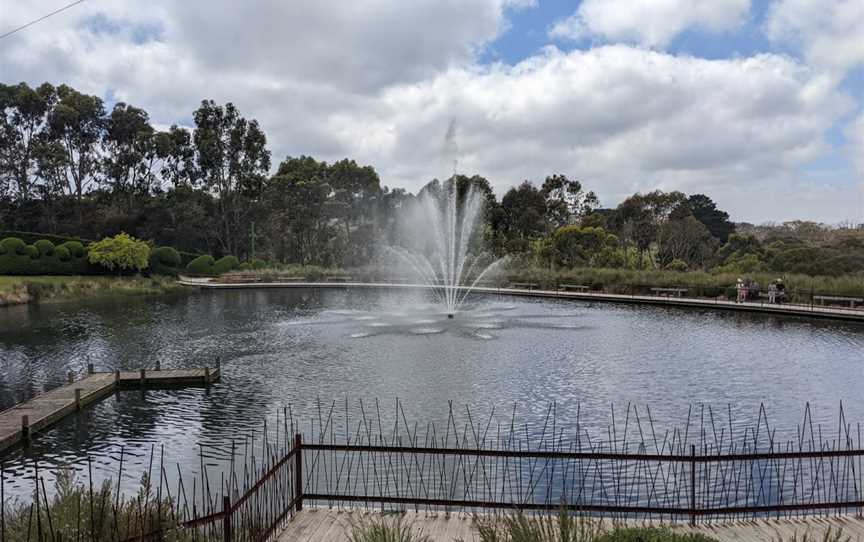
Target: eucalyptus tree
{"x":22,"y":132}
{"x":71,"y":159}
{"x":233,"y":161}
{"x":130,"y":162}
{"x":566,"y":201}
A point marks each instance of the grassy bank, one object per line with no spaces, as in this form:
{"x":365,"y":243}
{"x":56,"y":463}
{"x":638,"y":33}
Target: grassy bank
{"x":17,"y":289}
{"x":627,"y":281}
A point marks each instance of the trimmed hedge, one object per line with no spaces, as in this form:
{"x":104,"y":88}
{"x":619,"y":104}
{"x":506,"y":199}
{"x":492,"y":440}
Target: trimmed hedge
{"x":43,"y":258}
{"x":207,"y":265}
{"x":45,"y":247}
{"x":225,"y":264}
{"x":202,"y":265}
{"x":31,"y":238}
{"x":12,"y":246}
{"x":165,"y":261}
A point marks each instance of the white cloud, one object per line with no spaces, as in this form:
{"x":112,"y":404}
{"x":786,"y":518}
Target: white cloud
{"x":649,"y":22}
{"x":619,"y":118}
{"x":830,"y":34}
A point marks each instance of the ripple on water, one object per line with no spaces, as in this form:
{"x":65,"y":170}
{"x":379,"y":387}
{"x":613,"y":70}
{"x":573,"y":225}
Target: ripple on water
{"x":427,"y":330}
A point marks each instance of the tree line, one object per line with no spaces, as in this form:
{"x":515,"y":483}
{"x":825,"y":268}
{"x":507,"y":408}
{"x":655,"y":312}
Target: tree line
{"x":71,"y":166}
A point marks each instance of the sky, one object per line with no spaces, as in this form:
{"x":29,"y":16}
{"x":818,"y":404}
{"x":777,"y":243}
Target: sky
{"x":757,"y":103}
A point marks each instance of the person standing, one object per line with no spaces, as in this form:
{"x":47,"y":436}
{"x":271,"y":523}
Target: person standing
{"x":742,"y":290}
{"x":772,"y":292}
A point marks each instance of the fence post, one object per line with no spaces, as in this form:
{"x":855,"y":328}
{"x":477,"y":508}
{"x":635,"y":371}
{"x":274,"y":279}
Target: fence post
{"x":298,"y":471}
{"x":226,"y":519}
{"x":692,"y":484}
{"x":77,"y":398}
{"x":25,"y":427}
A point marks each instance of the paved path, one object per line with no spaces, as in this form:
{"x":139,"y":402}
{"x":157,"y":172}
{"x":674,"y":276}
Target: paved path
{"x":51,"y":406}
{"x":332,"y":525}
{"x":811,"y":311}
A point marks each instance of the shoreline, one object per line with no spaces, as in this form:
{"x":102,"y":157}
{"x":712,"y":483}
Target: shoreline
{"x":23,"y":290}
{"x":806,"y":311}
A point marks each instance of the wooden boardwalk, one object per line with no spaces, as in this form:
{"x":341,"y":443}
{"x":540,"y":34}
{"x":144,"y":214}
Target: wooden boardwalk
{"x":49,"y":407}
{"x":318,"y":524}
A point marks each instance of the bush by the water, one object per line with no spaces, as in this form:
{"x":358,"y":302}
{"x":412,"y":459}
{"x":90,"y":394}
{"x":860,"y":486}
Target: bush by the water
{"x":43,"y":258}
{"x":206,"y":265}
{"x":225,"y":264}
{"x":121,"y":252}
{"x":165,"y":261}
{"x":202,"y":265}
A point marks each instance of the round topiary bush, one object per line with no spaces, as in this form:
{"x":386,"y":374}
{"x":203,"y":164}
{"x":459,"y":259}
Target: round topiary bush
{"x":62,"y":253}
{"x":165,"y":256}
{"x":226,"y":264}
{"x":31,"y":251}
{"x":45,"y":247}
{"x":13,"y":245}
{"x":75,"y":248}
{"x":202,"y":265}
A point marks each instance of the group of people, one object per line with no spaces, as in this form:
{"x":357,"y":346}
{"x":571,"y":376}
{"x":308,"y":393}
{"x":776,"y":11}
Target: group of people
{"x":749,"y":290}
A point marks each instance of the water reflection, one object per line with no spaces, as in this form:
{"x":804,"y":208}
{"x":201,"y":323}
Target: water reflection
{"x":289,"y":347}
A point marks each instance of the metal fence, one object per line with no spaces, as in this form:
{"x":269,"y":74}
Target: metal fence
{"x":708,"y":470}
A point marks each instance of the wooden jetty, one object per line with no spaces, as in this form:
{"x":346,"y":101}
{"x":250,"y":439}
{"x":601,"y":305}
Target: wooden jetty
{"x":21,"y":421}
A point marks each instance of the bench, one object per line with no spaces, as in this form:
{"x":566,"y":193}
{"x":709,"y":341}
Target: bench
{"x":524,"y":285}
{"x":841,"y":298}
{"x":677,"y":292}
{"x":576,"y":287}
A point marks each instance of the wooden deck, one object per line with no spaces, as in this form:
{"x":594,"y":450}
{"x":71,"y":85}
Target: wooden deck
{"x":317,"y":524}
{"x":49,"y":407}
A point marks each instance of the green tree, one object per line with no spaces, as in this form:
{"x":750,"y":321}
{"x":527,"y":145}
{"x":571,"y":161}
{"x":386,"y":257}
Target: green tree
{"x":233,"y":160}
{"x":686,"y":240}
{"x":524,"y":210}
{"x":705,"y":211}
{"x":22,"y":131}
{"x":76,"y":125}
{"x":582,"y":246}
{"x":130,"y":161}
{"x":566,"y":201}
{"x":121,"y":252}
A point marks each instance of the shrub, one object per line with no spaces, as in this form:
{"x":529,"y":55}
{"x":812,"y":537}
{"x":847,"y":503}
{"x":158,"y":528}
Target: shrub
{"x":225,"y":264}
{"x":31,"y":251}
{"x":385,"y":530}
{"x":120,"y":252}
{"x":13,"y":245}
{"x":166,"y":256}
{"x":62,"y":253}
{"x":165,"y":261}
{"x":75,"y":248}
{"x":45,"y":247}
{"x":202,"y":265}
{"x":677,"y":265}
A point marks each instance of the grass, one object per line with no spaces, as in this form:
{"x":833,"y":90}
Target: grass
{"x":23,"y":289}
{"x":291,"y":271}
{"x":628,"y":280}
{"x":76,"y":512}
{"x":384,"y":529}
{"x":566,"y":527}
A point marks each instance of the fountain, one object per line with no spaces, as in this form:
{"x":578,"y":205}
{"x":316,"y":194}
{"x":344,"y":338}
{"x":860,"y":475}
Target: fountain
{"x":445,"y":229}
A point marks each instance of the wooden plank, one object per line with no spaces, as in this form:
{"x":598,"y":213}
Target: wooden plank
{"x":51,"y":406}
